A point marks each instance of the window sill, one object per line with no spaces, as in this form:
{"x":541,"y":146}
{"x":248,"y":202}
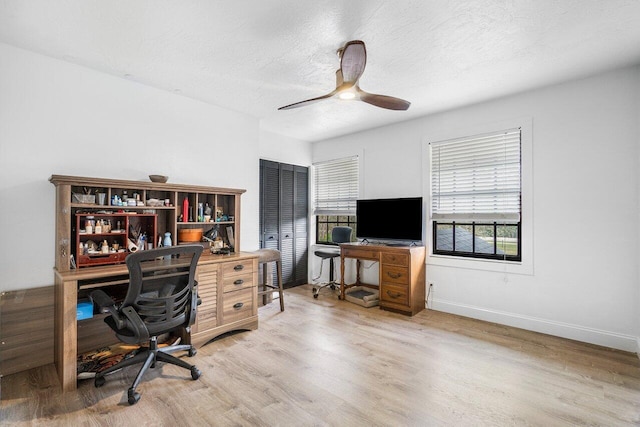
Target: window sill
{"x":511,"y":267}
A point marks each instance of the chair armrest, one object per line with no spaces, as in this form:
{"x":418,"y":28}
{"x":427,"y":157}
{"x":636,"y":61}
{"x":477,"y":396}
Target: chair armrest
{"x":136,"y":324}
{"x":195,"y":302}
{"x":104,"y":301}
{"x":101,"y":299}
{"x":195,"y":291}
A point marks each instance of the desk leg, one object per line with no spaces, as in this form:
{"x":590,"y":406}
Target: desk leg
{"x":341,"y":277}
{"x":357,"y":272}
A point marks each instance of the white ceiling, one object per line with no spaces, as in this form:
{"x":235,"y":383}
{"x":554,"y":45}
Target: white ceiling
{"x":254,"y":56}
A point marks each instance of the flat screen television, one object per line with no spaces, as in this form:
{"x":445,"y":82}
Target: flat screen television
{"x":389,"y":219}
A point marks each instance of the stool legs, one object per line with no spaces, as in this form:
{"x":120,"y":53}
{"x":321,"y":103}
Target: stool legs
{"x":280,"y":289}
{"x":331,"y":283}
{"x":267,"y":288}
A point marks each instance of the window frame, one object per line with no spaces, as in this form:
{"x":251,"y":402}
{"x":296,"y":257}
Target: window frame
{"x":526,"y":264}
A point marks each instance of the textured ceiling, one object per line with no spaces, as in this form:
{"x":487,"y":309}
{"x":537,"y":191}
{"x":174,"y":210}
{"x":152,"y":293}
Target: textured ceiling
{"x":254,"y":56}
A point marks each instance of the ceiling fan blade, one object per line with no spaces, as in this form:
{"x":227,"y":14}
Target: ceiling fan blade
{"x":339,"y":78}
{"x":308,"y":101}
{"x":383,"y":101}
{"x":353,"y":60}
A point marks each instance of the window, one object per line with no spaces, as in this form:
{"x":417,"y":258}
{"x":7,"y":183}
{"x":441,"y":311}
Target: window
{"x":326,"y":223}
{"x":476,"y":196}
{"x":335,"y":195}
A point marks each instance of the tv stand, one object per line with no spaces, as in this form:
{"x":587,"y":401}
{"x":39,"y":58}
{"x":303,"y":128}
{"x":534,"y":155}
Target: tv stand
{"x":401,"y":280}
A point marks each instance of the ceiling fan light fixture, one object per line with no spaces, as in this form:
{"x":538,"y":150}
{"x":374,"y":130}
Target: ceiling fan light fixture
{"x":346,"y":95}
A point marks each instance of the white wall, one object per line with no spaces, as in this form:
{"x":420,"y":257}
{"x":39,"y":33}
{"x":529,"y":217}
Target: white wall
{"x":279,"y":148}
{"x":59,"y":118}
{"x":585,"y":208}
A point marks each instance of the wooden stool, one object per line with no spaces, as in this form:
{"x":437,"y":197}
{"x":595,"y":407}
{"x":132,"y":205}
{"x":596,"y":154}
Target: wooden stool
{"x":266,"y":256}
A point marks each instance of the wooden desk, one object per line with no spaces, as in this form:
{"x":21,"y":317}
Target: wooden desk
{"x":401,"y":280}
{"x":227,"y":285}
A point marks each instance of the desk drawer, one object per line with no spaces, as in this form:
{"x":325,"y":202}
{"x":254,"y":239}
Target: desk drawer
{"x":237,"y":305}
{"x":395,"y":274}
{"x":395,"y":259}
{"x":371,"y":254}
{"x":238,"y":281}
{"x":237,"y":267}
{"x":395,"y":294}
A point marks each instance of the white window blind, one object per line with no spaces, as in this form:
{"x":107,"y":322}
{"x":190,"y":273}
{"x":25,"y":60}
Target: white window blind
{"x":477,"y":178}
{"x":336,"y":186}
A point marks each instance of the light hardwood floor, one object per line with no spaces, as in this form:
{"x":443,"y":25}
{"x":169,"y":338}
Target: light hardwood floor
{"x":330,"y":362}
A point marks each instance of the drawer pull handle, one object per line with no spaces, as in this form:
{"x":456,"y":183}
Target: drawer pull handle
{"x":238,"y":267}
{"x":238,"y":282}
{"x":394,"y":294}
{"x":238,"y":305}
{"x":394,"y":275}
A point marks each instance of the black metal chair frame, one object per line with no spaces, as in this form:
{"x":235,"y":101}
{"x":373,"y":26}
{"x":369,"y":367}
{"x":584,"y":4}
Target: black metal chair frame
{"x":338,"y":235}
{"x":161,"y":297}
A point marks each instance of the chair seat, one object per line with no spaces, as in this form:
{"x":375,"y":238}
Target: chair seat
{"x":267,"y":255}
{"x":326,"y":254}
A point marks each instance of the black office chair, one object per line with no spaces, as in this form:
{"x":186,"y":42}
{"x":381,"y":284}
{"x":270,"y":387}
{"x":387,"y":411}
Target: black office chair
{"x":338,"y":235}
{"x":161,"y":297}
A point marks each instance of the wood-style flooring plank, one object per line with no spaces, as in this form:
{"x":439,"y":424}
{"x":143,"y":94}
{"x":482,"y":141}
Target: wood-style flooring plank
{"x":327,"y":362}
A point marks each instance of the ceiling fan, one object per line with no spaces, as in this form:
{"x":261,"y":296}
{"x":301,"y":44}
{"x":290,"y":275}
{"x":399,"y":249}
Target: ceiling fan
{"x":353,"y":58}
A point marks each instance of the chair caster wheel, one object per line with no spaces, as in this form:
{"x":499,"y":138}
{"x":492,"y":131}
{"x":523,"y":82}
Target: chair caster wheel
{"x":315,"y":296}
{"x":195,"y":373}
{"x":132,"y":397}
{"x":314,"y":290}
{"x":99,"y":381}
{"x":192,"y":351}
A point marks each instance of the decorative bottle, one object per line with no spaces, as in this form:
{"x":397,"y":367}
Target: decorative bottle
{"x":185,"y":210}
{"x":167,"y":242}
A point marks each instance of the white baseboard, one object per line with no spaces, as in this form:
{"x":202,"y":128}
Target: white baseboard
{"x":565,"y":330}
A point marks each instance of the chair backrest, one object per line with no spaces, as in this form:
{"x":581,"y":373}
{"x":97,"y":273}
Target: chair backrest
{"x":162,"y":286}
{"x":341,"y":234}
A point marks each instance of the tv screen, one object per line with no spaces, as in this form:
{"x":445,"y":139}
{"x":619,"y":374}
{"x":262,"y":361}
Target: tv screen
{"x":389,"y":219}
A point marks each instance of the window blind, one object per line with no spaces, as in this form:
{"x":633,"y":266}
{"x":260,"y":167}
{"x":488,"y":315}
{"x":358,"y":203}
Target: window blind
{"x":336,"y":186}
{"x":477,"y":178}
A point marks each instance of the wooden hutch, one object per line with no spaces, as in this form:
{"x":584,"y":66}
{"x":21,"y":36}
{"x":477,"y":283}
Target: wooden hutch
{"x":125,"y":210}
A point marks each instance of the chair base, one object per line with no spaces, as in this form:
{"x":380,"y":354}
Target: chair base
{"x":317,"y":289}
{"x":149,"y":356}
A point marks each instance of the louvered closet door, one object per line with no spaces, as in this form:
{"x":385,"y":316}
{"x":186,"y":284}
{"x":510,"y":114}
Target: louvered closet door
{"x":301,"y":223}
{"x":286,"y":223}
{"x":269,"y":204}
{"x":284,"y":210}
